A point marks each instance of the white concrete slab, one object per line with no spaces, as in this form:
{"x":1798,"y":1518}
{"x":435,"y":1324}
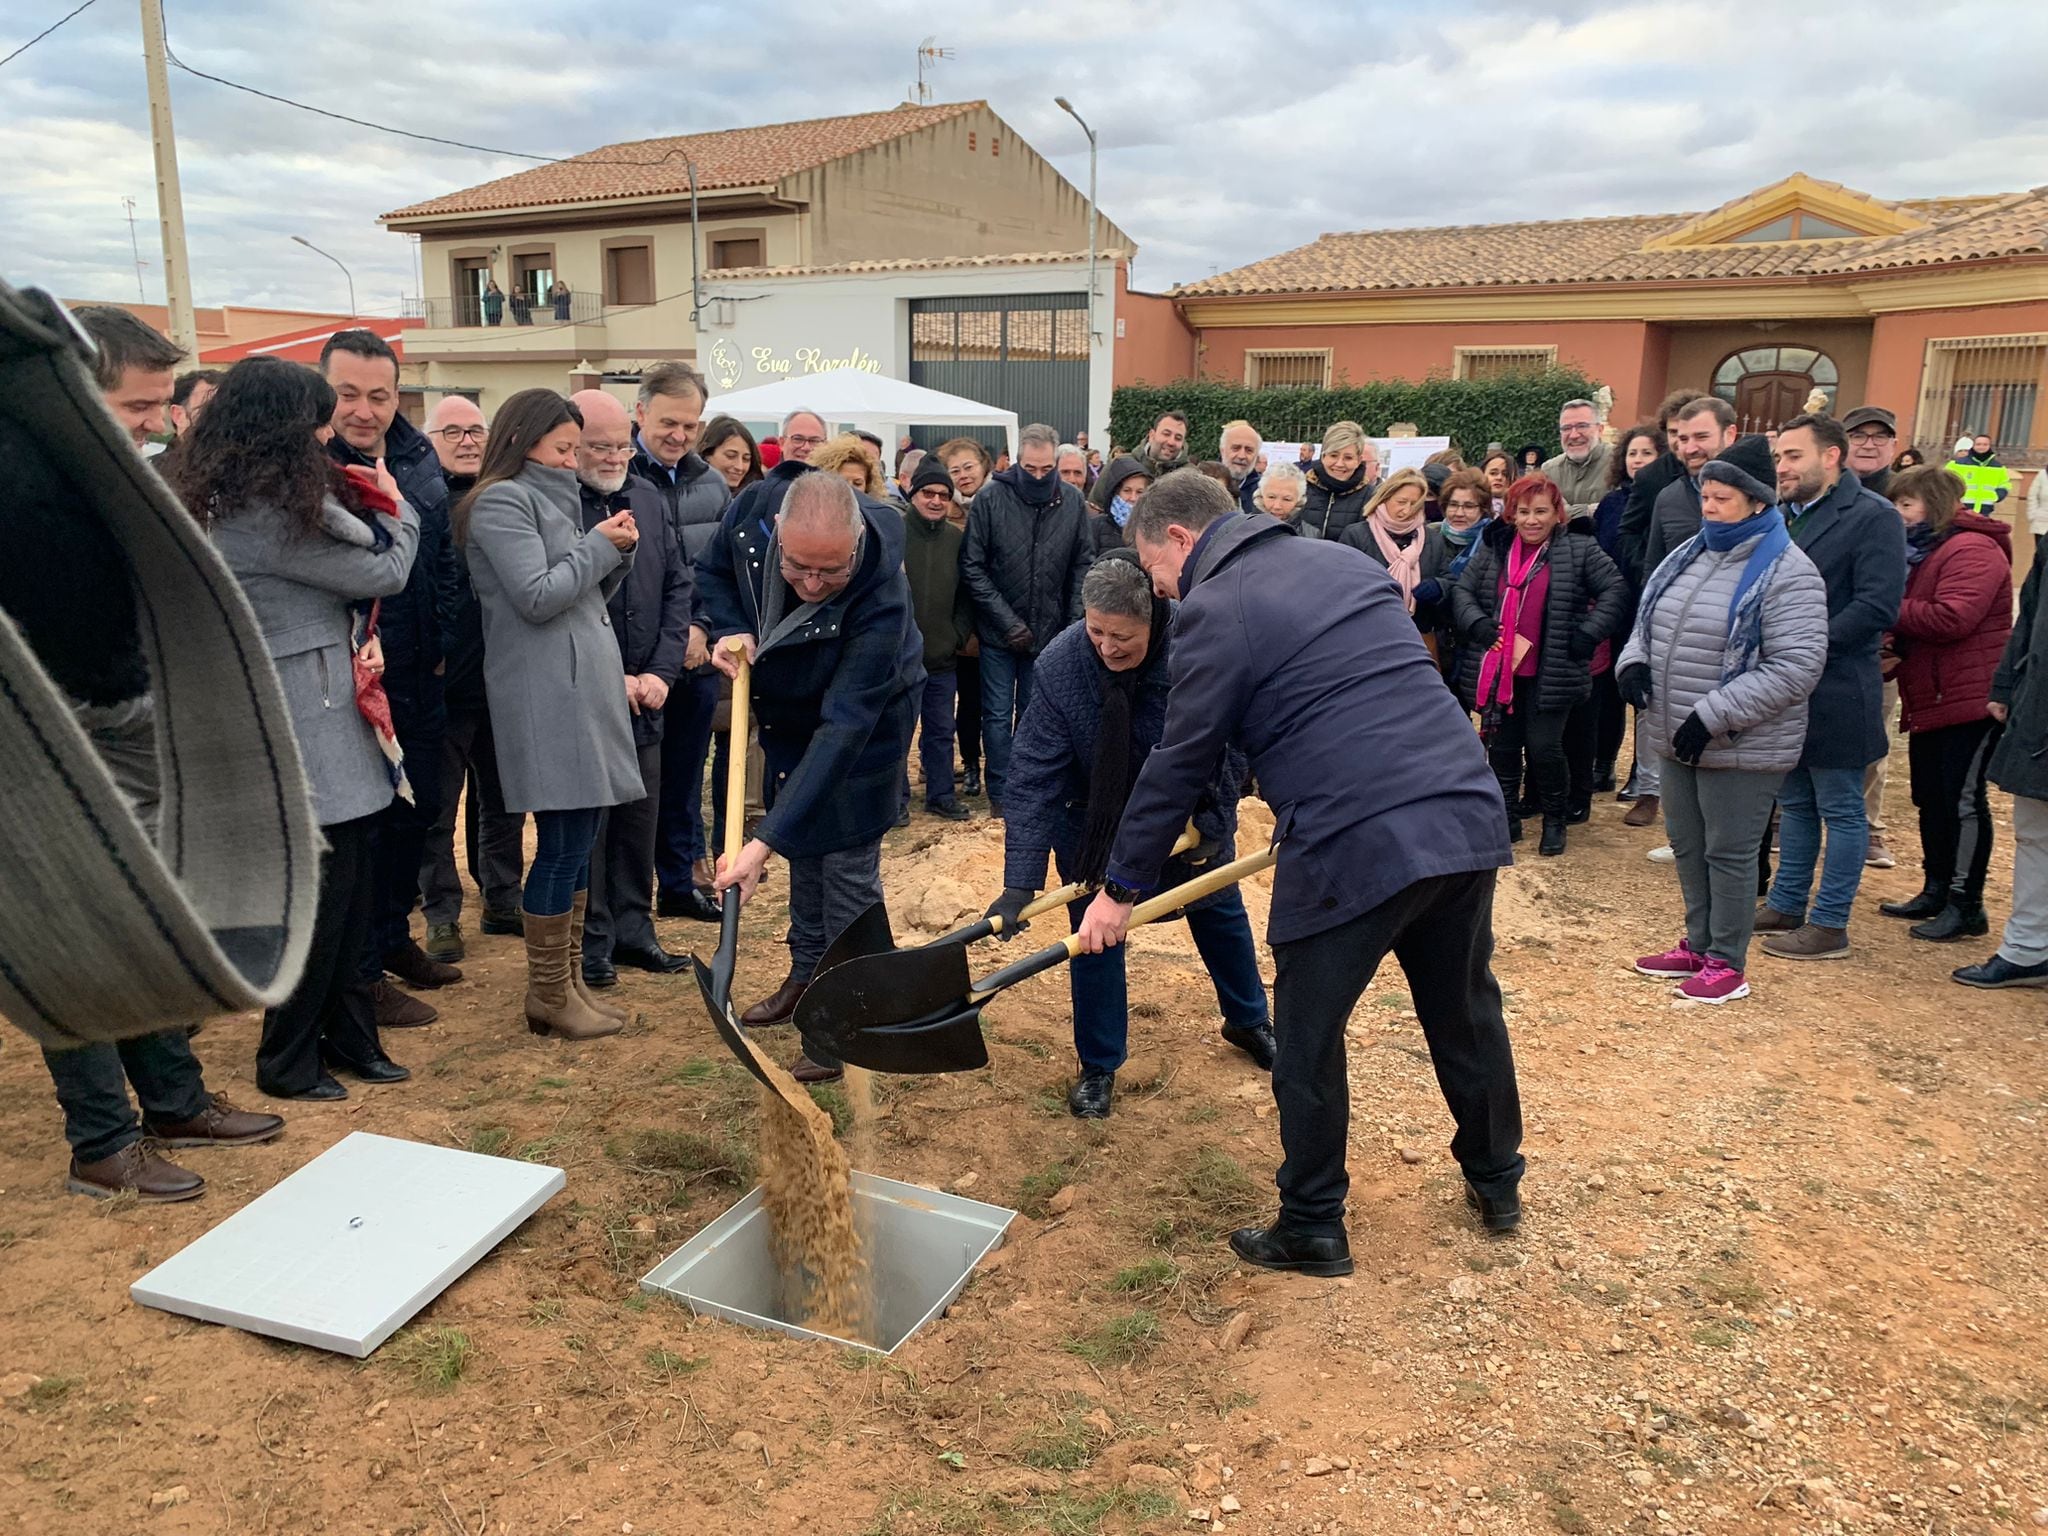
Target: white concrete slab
{"x":345,"y":1251}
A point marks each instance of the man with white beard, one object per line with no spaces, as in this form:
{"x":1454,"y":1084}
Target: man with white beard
{"x":650,"y":615}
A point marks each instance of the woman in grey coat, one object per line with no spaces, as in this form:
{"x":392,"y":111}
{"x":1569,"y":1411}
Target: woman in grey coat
{"x":559,"y":716}
{"x":1729,"y":641}
{"x":310,"y":546}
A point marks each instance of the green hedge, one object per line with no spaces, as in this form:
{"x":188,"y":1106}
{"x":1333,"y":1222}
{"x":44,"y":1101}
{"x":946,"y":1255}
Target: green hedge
{"x":1514,"y":409}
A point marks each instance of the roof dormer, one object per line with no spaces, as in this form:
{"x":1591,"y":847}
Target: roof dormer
{"x":1797,"y":208}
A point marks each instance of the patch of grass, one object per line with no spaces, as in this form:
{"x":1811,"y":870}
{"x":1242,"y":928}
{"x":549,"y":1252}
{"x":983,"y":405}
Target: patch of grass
{"x":113,"y":1413}
{"x":1212,"y":1195}
{"x":1147,"y":1277}
{"x":1083,"y":1513}
{"x":1037,"y":1188}
{"x":8,"y":1238}
{"x":1066,"y":1448}
{"x":548,"y":1309}
{"x":1050,"y":1101}
{"x":552,"y":1082}
{"x":686,"y":1156}
{"x":490,"y":1140}
{"x":436,"y":1357}
{"x":1568,"y":1519}
{"x":1118,"y":1341}
{"x":698,"y":1069}
{"x":1726,"y":1287}
{"x":1202,"y":1114}
{"x":1714,"y":1336}
{"x":639,"y":1301}
{"x":51,"y":1391}
{"x":1393,"y":1002}
{"x":1470,"y":1389}
{"x":538,"y":1151}
{"x":669,"y":1365}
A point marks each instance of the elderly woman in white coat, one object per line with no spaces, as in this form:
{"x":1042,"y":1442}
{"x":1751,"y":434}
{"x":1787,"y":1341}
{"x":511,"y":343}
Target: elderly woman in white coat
{"x":1730,"y":639}
{"x":312,"y":548}
{"x":559,"y":713}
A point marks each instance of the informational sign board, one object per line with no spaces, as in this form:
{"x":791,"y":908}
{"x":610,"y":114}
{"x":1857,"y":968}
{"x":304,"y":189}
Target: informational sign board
{"x":344,"y":1252}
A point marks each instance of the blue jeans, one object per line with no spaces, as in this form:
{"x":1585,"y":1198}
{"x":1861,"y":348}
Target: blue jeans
{"x":1223,"y":937}
{"x":934,"y":739}
{"x":685,"y":744}
{"x":561,"y":860}
{"x":1005,"y":695}
{"x":92,"y":1086}
{"x":1808,"y":798}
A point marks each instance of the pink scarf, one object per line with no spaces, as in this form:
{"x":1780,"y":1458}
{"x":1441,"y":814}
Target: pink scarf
{"x":1497,"y":667}
{"x":1404,"y":565}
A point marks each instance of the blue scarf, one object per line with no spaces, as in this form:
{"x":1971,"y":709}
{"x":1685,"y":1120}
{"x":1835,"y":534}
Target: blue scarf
{"x":1464,"y":543}
{"x":1746,"y":606}
{"x":1919,"y":540}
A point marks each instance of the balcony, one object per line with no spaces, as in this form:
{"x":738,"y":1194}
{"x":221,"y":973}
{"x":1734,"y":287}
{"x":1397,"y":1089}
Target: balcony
{"x":461,"y":328}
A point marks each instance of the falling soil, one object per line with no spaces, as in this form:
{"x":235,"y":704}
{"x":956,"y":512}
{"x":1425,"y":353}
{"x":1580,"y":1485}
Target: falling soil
{"x":809,"y":1200}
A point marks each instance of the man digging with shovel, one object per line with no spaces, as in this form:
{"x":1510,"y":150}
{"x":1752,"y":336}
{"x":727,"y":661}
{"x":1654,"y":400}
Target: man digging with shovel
{"x":1389,"y":826}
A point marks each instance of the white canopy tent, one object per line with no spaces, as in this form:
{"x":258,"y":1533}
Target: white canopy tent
{"x":855,"y":398}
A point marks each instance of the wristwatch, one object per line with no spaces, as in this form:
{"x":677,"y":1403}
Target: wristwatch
{"x":1122,"y":894}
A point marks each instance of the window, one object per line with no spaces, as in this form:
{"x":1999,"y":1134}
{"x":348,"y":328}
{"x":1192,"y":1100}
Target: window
{"x":1297,"y":368}
{"x":1479,"y":363}
{"x":1987,"y":384}
{"x":533,"y":274}
{"x":629,"y":273}
{"x":1799,"y":226}
{"x":741,"y":251}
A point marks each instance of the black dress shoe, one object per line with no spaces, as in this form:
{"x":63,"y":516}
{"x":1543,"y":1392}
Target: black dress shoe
{"x":1916,"y":908}
{"x":324,"y":1087}
{"x":970,"y":782}
{"x":654,"y":958}
{"x":692,"y":902}
{"x":1089,"y":1098}
{"x":381,"y":1070}
{"x":1953,"y":923}
{"x":512,"y":923}
{"x":1255,"y":1040}
{"x":2001,"y":972}
{"x":1503,"y":1215}
{"x":599,"y":972}
{"x":1579,"y":812}
{"x":949,"y":809}
{"x":1277,"y":1247}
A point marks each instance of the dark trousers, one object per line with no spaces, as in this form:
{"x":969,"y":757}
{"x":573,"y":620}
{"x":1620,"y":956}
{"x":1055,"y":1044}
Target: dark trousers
{"x":1947,"y":766}
{"x":1593,"y":732}
{"x":92,"y":1088}
{"x":492,"y":836}
{"x":967,"y":711}
{"x":621,"y":908}
{"x":826,"y":893}
{"x":331,"y":1004}
{"x":1441,"y":930}
{"x":1223,"y":938}
{"x":1539,"y":732}
{"x":934,"y":739}
{"x":685,"y":744}
{"x":398,"y":848}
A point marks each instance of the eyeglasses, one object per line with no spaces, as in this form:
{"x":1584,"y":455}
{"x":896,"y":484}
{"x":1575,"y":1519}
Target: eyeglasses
{"x":794,"y":573}
{"x":1574,"y":428}
{"x":1463,"y":502}
{"x":463,"y":434}
{"x":793,"y":441}
{"x":1871,"y":437}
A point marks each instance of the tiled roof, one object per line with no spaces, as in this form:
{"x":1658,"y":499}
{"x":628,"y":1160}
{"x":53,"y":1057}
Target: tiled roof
{"x":731,"y":157}
{"x":1612,"y":250}
{"x":917,"y":264}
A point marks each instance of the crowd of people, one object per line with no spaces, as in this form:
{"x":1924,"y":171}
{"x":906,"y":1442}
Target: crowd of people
{"x":542,"y":614}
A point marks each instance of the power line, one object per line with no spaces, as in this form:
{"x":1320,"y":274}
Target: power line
{"x":53,"y":26}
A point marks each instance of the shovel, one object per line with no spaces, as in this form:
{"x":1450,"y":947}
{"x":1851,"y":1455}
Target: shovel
{"x":715,"y":980}
{"x":871,"y":933}
{"x":918,"y":1010}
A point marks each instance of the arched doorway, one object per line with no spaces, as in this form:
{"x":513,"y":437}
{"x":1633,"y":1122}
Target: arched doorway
{"x":1769,"y":385}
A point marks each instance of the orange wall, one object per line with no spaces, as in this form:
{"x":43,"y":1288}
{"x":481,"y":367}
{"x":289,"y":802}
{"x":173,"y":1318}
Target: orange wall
{"x":1611,"y":351}
{"x":1898,"y":350}
{"x":1153,"y":344}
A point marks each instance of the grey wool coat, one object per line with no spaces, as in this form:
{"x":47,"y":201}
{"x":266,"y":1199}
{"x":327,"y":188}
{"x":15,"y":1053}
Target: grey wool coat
{"x":301,"y":586}
{"x":551,"y":665}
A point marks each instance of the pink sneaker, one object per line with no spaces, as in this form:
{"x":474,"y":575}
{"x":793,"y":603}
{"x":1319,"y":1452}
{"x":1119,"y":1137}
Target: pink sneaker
{"x":1716,"y":983}
{"x":1679,"y":964}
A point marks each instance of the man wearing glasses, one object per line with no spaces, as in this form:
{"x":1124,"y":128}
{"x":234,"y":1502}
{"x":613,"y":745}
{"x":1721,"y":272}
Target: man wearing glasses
{"x":819,"y":599}
{"x":491,"y":835}
{"x":1581,"y":470}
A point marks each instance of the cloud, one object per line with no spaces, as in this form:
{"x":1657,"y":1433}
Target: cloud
{"x":1228,"y":132}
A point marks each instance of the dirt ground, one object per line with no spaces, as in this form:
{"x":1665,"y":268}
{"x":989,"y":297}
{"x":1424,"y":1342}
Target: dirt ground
{"x":1780,"y":1270}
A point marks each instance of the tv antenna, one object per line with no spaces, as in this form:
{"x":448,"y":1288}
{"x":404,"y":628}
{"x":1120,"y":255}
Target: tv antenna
{"x":928,"y":56}
{"x":135,"y":245}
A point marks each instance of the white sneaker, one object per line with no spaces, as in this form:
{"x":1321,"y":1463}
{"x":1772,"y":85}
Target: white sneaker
{"x":1662,"y":854}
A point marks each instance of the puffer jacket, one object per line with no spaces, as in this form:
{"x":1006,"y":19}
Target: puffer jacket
{"x":1326,"y":514}
{"x":1758,"y":719}
{"x":1587,"y":603}
{"x":1953,"y":624}
{"x":2019,"y":765}
{"x":1023,"y":565}
{"x":1101,"y":525}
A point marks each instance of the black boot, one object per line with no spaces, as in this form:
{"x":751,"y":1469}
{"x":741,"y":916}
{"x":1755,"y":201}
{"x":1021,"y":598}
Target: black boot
{"x":1957,"y":920}
{"x":1603,"y":776}
{"x":1580,"y":810}
{"x":1929,"y":903}
{"x":1279,"y":1247}
{"x":1553,"y":835}
{"x":1514,"y":828}
{"x":970,"y":780}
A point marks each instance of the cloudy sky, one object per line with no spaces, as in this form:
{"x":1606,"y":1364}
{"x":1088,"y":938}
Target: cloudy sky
{"x":1228,"y":132}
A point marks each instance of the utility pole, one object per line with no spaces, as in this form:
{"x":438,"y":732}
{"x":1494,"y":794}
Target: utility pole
{"x":135,"y":245}
{"x":170,"y":202}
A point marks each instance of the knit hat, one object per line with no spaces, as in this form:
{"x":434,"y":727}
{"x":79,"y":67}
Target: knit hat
{"x":1963,"y":445}
{"x":1723,"y":472}
{"x":930,"y":472}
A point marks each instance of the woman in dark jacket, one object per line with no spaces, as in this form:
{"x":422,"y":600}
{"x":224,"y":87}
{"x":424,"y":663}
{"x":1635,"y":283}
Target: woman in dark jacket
{"x":1593,"y":734}
{"x":1448,"y":547}
{"x":1531,"y":608}
{"x":1339,"y":483}
{"x":1951,"y":632}
{"x":1098,"y":708}
{"x":1116,"y":491}
{"x":312,"y":545}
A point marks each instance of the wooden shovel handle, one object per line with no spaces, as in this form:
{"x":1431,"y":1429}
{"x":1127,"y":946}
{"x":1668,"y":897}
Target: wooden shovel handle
{"x":736,"y":753}
{"x":1052,"y":900}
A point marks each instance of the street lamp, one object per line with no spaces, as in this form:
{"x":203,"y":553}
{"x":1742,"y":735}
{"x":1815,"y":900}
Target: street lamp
{"x":309,"y":245}
{"x":1068,"y":107}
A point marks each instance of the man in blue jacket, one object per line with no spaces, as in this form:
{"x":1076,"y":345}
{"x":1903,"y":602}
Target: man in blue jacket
{"x":1389,"y":824}
{"x":820,"y":601}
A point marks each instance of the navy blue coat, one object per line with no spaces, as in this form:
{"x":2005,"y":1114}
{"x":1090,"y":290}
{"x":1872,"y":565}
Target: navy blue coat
{"x":1858,"y":541}
{"x":835,"y":691}
{"x":1045,"y":802}
{"x":416,"y":625}
{"x":1302,"y":654}
{"x":650,"y":609}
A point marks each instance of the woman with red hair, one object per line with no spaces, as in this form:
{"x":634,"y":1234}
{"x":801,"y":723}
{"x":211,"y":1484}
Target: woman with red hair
{"x":1536,"y":600}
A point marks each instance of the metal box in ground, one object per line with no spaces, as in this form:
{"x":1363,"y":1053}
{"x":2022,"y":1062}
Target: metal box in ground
{"x":921,"y":1247}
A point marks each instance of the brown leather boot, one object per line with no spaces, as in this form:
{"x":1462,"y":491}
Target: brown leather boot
{"x":577,"y":907}
{"x":552,"y":1006}
{"x":155,"y":1180}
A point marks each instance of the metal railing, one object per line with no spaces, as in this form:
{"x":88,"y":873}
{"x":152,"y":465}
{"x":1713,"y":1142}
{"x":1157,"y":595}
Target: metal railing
{"x":573,"y":308}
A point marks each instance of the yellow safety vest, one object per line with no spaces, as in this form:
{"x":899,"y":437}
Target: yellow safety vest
{"x":1982,"y":483}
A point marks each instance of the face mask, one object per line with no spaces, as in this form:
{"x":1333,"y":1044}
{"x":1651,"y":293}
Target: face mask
{"x":1119,"y":511}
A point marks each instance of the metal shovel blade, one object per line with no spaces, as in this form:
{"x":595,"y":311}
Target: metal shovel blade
{"x":901,"y":987}
{"x":950,"y":1042}
{"x":739,"y":1042}
{"x":868,"y":934}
